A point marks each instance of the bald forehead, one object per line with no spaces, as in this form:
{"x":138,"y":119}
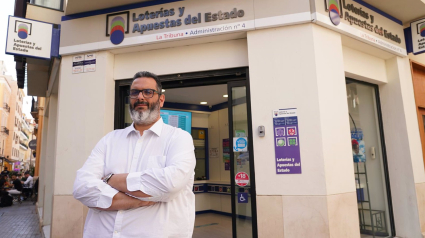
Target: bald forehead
{"x":144,"y":83}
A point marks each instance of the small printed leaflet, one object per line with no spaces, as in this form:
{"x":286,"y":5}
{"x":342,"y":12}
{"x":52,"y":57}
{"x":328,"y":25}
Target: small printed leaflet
{"x":77,"y":64}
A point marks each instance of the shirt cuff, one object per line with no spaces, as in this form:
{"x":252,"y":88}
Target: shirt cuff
{"x":106,"y":196}
{"x":134,"y":181}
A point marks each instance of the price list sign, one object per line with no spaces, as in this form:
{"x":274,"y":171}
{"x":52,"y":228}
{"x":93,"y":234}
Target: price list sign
{"x":286,"y":141}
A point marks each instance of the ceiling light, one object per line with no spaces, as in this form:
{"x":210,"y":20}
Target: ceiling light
{"x":163,"y":90}
{"x":203,"y":103}
{"x":225,"y":95}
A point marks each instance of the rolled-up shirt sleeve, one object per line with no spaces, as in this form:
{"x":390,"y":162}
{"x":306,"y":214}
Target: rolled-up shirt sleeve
{"x":88,"y":186}
{"x":164,"y":184}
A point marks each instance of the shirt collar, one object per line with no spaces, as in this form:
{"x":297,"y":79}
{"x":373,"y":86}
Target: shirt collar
{"x":155,"y":128}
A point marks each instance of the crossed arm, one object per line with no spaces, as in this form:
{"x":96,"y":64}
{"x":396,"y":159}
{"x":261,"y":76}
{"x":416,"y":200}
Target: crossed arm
{"x":121,"y":201}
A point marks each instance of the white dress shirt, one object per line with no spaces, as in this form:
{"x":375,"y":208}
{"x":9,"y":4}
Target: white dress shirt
{"x":29,"y":182}
{"x":160,"y":163}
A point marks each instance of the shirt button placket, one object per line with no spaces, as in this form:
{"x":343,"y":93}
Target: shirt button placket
{"x":118,"y":224}
{"x":136,"y":154}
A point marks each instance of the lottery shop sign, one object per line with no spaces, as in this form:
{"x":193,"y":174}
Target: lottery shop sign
{"x":29,"y":38}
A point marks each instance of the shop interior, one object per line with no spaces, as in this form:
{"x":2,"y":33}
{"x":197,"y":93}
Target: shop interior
{"x":372,"y":187}
{"x":203,"y":112}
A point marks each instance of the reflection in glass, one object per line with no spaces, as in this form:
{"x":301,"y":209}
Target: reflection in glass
{"x":241,"y":163}
{"x":368,"y":168}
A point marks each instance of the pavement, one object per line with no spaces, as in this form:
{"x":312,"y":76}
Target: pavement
{"x":19,"y":220}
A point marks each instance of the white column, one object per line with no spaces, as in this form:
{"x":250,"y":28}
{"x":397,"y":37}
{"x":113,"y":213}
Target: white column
{"x":302,"y":67}
{"x":85,"y":115}
{"x":404,"y":152}
{"x":49,"y":165}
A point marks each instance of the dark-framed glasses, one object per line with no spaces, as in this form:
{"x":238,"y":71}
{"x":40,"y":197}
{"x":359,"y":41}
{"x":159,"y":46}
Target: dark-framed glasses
{"x":147,"y":93}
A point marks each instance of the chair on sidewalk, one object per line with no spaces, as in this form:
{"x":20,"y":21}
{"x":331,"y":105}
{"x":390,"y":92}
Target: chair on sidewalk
{"x":16,"y":195}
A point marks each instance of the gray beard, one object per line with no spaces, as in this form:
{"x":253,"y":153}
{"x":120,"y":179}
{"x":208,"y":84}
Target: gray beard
{"x":145,"y":117}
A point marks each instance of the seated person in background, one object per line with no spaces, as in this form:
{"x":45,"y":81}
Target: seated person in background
{"x":3,"y":181}
{"x":17,"y":183}
{"x":20,"y":176}
{"x":5,"y":171}
{"x":5,"y":199}
{"x":27,"y":185}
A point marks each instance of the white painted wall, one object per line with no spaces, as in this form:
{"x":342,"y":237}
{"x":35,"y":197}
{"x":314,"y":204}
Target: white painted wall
{"x":364,"y":67}
{"x":403,"y":145}
{"x":85,"y":115}
{"x":51,"y":160}
{"x":200,"y":119}
{"x":293,"y":64}
{"x":191,"y":58}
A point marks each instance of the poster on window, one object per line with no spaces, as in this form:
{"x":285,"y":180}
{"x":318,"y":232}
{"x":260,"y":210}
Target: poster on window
{"x":358,"y":145}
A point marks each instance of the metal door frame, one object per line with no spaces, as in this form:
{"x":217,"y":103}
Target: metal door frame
{"x":253,"y":193}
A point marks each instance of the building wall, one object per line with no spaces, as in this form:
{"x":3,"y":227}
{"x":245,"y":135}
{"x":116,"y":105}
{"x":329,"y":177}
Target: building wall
{"x":5,"y":98}
{"x":419,"y":166}
{"x":11,"y":122}
{"x":216,"y":55}
{"x":305,"y":68}
{"x":296,"y":66}
{"x":81,"y":122}
{"x":364,"y":67}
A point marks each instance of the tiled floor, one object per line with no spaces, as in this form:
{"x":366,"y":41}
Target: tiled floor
{"x":19,"y":220}
{"x":213,"y":225}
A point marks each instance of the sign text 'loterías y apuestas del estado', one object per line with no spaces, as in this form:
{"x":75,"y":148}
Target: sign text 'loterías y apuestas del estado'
{"x":193,"y":19}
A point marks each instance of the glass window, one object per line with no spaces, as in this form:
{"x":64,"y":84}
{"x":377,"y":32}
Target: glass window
{"x":369,"y":171}
{"x":55,"y":4}
{"x":199,"y":139}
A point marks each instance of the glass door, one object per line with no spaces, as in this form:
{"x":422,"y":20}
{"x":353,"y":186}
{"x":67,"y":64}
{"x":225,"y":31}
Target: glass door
{"x":369,"y":160}
{"x":241,"y":162}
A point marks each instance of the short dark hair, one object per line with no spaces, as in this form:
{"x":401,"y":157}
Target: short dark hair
{"x":27,"y":172}
{"x":5,"y":168}
{"x":146,"y":74}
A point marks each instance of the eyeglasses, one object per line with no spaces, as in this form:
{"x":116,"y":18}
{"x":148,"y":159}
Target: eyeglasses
{"x":147,"y":93}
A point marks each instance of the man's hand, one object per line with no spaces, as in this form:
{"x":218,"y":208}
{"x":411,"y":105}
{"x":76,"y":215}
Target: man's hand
{"x":119,"y":182}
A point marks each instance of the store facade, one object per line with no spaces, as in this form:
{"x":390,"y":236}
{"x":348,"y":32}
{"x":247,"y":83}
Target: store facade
{"x":359,"y":169}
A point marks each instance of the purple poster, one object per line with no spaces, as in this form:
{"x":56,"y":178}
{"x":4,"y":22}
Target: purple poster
{"x":286,"y":141}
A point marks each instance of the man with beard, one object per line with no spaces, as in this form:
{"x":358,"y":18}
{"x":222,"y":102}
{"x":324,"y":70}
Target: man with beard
{"x":138,"y":181}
